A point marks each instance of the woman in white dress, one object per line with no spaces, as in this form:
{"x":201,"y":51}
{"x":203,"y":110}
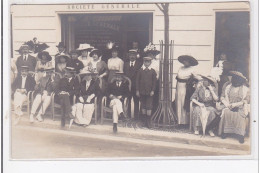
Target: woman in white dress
{"x":115,"y":64}
{"x":43,"y":63}
{"x":184,"y":74}
{"x":85,"y":58}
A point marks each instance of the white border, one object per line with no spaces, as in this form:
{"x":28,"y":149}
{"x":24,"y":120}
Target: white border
{"x":132,"y":166}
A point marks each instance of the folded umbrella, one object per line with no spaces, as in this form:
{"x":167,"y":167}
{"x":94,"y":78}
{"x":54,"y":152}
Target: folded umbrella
{"x":204,"y":119}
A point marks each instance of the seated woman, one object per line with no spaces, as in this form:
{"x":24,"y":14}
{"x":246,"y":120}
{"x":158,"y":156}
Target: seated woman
{"x":84,"y":108}
{"x":204,"y":97}
{"x":61,"y":63}
{"x":235,"y":98}
{"x":98,"y":66}
{"x":115,"y":64}
{"x":43,"y":63}
{"x":118,"y":90}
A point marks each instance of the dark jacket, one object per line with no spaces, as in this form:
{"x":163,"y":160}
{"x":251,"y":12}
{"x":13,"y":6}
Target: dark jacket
{"x":77,"y":64}
{"x":92,"y":89}
{"x":146,"y":81}
{"x":123,"y":90}
{"x":131,"y":72}
{"x":72,"y":86}
{"x":30,"y":62}
{"x":29,"y":83}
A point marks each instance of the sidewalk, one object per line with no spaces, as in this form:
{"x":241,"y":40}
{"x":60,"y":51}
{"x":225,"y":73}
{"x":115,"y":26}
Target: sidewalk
{"x":144,"y":136}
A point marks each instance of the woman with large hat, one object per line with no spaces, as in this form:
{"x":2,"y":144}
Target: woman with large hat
{"x":85,"y":49}
{"x":182,"y":98}
{"x":43,"y":63}
{"x":61,"y":63}
{"x":204,"y":98}
{"x":115,"y":64}
{"x":235,"y":98}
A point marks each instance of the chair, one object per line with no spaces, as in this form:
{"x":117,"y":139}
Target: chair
{"x":106,"y":109}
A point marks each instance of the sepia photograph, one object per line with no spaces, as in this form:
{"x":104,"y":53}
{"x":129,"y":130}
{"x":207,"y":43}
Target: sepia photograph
{"x":130,"y":80}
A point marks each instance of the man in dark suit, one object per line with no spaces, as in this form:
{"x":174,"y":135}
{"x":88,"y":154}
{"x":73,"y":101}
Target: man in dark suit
{"x":25,"y":59}
{"x":118,"y":90}
{"x":130,"y":69}
{"x":21,"y":86}
{"x":61,"y":49}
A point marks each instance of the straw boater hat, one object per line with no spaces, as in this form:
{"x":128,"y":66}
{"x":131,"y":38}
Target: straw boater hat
{"x":239,"y":74}
{"x":24,"y":68}
{"x":70,"y":69}
{"x":49,"y":69}
{"x":24,"y":46}
{"x":147,"y":58}
{"x":49,"y":58}
{"x":62,"y":56}
{"x":61,"y":44}
{"x":85,"y":46}
{"x":86,"y":72}
{"x":98,"y":52}
{"x":192,"y":60}
{"x":132,"y":51}
{"x":150,"y":48}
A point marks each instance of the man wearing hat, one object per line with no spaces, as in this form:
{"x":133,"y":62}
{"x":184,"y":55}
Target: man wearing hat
{"x":145,"y":87}
{"x":25,"y":59}
{"x":43,"y":92}
{"x":130,"y":69}
{"x":61,"y":49}
{"x":84,"y":108}
{"x":85,"y":49}
{"x":68,"y":87}
{"x":21,"y":86}
{"x":74,"y":61}
{"x":118,"y":90}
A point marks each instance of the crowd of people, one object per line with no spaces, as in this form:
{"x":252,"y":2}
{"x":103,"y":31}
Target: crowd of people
{"x":218,"y":102}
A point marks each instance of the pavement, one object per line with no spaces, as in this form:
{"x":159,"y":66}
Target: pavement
{"x":46,"y":140}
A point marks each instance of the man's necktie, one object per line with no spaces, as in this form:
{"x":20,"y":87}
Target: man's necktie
{"x":24,"y":58}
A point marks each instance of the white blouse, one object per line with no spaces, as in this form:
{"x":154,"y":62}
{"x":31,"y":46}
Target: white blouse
{"x":115,"y":64}
{"x":185,"y":72}
{"x":85,"y":61}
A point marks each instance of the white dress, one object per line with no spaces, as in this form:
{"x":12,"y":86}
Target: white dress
{"x":114,"y":65}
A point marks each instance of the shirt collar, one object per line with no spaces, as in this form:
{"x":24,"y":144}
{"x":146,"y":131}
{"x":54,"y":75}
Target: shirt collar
{"x":143,"y":67}
{"x":132,"y":62}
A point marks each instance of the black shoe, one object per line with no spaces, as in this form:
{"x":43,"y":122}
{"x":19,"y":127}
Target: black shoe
{"x":223,"y":136}
{"x":115,"y":127}
{"x":241,"y":139}
{"x":148,"y":122}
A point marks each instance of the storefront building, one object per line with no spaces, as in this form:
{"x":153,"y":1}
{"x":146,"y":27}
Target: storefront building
{"x":203,"y":30}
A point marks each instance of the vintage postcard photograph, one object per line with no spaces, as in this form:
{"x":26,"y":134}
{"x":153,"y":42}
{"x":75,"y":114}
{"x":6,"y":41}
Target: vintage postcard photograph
{"x":130,"y":80}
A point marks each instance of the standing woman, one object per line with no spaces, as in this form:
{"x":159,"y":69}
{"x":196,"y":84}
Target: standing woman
{"x":43,"y":63}
{"x":99,"y":66}
{"x":235,"y":98}
{"x":182,"y":99}
{"x":115,"y":64}
{"x":85,"y":58}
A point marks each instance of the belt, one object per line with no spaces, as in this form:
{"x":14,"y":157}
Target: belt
{"x":182,"y":80}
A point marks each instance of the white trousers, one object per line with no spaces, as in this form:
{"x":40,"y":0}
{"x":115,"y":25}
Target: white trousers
{"x":44,"y":99}
{"x":117,"y":107}
{"x":19,"y":99}
{"x":83,"y":113}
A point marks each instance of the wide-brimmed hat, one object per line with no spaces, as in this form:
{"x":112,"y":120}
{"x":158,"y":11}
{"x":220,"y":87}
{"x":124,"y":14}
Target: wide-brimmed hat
{"x":192,"y":60}
{"x":85,"y":46}
{"x":87,"y":72}
{"x":210,"y":79}
{"x":24,"y":68}
{"x":70,"y":69}
{"x":75,"y":52}
{"x":115,"y":48}
{"x":61,"y":44}
{"x":62,"y":56}
{"x":150,"y":48}
{"x":23,"y":47}
{"x":239,"y":74}
{"x":147,"y":58}
{"x":40,"y":54}
{"x":98,"y":52}
{"x":49,"y":69}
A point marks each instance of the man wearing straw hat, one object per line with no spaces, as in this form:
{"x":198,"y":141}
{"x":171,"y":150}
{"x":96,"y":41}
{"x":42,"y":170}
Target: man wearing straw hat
{"x":25,"y":59}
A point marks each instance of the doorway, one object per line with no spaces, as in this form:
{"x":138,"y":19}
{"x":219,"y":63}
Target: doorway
{"x":232,"y":37}
{"x":99,"y":29}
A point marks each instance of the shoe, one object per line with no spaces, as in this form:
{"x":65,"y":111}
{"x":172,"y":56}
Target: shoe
{"x":71,"y":122}
{"x":241,"y":139}
{"x":223,"y":136}
{"x":31,"y":118}
{"x":39,"y":118}
{"x":148,"y":122}
{"x":196,"y":132}
{"x":211,"y":133}
{"x":115,"y":127}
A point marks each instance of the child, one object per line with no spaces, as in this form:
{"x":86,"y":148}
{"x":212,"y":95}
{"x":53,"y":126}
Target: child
{"x":145,"y":87}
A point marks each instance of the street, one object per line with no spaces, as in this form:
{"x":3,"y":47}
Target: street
{"x":38,"y":143}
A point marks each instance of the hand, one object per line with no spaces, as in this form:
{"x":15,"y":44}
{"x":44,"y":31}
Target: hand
{"x":151,"y":93}
{"x":81,"y":99}
{"x":137,"y":93}
{"x":119,"y":97}
{"x":201,"y":105}
{"x":210,"y":87}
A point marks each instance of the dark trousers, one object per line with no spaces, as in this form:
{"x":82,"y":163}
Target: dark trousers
{"x":136,"y":104}
{"x":65,"y":107}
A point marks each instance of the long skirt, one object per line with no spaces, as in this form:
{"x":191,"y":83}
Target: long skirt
{"x":196,"y":116}
{"x":180,"y":95}
{"x":233,"y":122}
{"x":83,"y":113}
